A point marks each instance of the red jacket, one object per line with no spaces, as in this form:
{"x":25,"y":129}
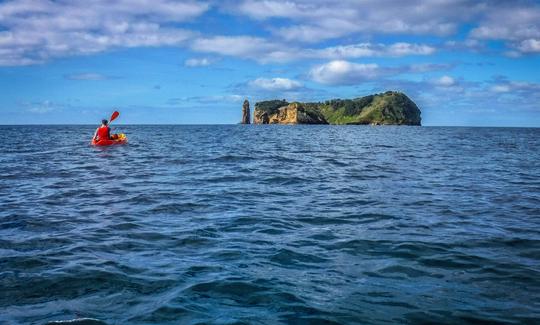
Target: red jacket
{"x":103,"y":132}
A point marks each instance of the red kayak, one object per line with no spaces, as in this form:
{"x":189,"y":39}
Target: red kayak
{"x":122,"y":139}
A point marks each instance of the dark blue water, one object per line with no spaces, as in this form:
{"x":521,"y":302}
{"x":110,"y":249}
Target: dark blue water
{"x":270,"y":224}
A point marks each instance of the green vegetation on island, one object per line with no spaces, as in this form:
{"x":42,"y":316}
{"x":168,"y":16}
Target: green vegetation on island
{"x":389,"y":108}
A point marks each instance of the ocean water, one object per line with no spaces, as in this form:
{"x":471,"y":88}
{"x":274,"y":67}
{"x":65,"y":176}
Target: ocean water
{"x":270,"y":225}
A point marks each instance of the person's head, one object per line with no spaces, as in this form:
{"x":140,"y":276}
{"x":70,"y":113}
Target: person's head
{"x":104,"y":122}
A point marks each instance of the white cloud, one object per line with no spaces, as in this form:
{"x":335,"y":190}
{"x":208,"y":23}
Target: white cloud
{"x":198,"y":62}
{"x":263,"y":50}
{"x":517,"y":23}
{"x":427,"y":67}
{"x":205,"y":100}
{"x":314,"y":21}
{"x":42,"y":107}
{"x":35,"y":31}
{"x":267,"y":9}
{"x":466,"y":45}
{"x":402,"y":49}
{"x":275,"y":84}
{"x":341,"y":72}
{"x":506,"y":22}
{"x":500,"y":88}
{"x":526,"y":88}
{"x":239,"y":46}
{"x":327,"y":29}
{"x":530,"y":46}
{"x":86,"y":76}
{"x":246,"y":47}
{"x":371,"y":50}
{"x":445,"y":81}
{"x":222,"y":98}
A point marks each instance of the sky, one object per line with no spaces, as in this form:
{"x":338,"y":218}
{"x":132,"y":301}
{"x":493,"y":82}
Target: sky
{"x":464,"y":62}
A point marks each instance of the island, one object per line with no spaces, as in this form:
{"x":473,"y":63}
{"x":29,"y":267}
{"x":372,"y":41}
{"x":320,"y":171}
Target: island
{"x":389,"y":108}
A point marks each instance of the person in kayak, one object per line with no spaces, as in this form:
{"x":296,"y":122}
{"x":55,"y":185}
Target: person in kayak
{"x":104,"y":132}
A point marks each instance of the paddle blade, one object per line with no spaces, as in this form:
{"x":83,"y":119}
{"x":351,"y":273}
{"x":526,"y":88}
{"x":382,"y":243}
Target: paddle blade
{"x":114,"y":116}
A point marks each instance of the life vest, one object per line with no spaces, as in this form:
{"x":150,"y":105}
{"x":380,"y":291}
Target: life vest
{"x":103,"y":132}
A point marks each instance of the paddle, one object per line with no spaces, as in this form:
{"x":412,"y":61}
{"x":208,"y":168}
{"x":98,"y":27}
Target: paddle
{"x":114,"y":116}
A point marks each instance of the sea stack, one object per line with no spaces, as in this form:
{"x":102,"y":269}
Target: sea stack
{"x":246,"y":119}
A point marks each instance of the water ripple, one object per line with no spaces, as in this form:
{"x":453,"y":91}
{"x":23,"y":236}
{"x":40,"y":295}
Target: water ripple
{"x":270,"y":225}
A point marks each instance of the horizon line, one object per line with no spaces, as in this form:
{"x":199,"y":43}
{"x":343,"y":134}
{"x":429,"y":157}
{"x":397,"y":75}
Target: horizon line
{"x":223,"y":124}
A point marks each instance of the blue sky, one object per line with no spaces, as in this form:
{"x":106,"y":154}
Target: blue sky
{"x":463,"y":62}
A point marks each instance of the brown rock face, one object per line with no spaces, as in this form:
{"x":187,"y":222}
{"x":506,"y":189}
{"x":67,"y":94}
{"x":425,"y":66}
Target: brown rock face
{"x":294,"y":113}
{"x":285,"y":115}
{"x":260,"y":117}
{"x":246,"y":119}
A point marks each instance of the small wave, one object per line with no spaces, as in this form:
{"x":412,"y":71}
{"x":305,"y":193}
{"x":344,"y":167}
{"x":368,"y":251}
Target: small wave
{"x":228,"y":287}
{"x":232,"y":158}
{"x":288,"y":258}
{"x":78,"y":321}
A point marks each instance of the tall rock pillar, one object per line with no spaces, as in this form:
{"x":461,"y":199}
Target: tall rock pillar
{"x":246,"y":119}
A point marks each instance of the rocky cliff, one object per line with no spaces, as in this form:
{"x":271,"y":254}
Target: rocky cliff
{"x":389,"y":108}
{"x":246,"y":119}
{"x":294,"y":113}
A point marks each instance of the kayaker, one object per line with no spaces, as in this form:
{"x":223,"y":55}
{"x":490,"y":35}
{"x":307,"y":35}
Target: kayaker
{"x":103,"y":132}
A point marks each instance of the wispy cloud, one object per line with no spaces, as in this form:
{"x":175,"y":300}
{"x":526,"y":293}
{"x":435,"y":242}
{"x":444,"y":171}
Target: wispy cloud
{"x":276,"y":84}
{"x":87,"y":76}
{"x":205,"y":100}
{"x":530,"y":45}
{"x":529,"y":90}
{"x":314,"y":21}
{"x":444,"y":81}
{"x":198,"y":62}
{"x":265,"y":51}
{"x":42,"y":107}
{"x":517,"y":23}
{"x":341,"y":72}
{"x":428,"y":67}
{"x":362,"y":50}
{"x":33,"y":31}
{"x":239,"y":46}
